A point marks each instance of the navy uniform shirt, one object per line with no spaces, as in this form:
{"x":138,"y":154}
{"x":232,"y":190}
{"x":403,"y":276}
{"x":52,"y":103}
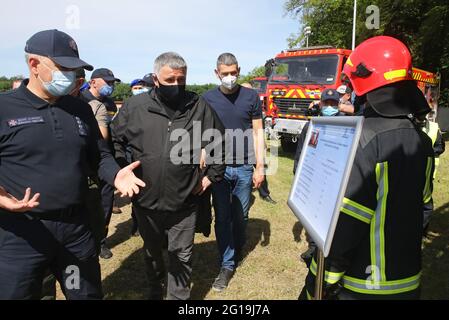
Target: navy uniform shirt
{"x":51,"y":148}
{"x":237,"y":112}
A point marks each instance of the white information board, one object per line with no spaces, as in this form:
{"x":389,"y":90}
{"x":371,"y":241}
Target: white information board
{"x":322,"y":175}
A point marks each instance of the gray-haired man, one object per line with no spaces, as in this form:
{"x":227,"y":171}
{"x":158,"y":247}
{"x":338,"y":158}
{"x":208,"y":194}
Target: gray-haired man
{"x":152,"y":124}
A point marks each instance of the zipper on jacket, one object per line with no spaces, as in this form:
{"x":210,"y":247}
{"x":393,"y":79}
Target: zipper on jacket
{"x":167,"y":140}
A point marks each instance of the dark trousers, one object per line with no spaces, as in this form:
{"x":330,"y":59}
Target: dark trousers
{"x":180,"y":229}
{"x":134,"y":218}
{"x":107,"y":202}
{"x":263,"y":189}
{"x":31,"y":246}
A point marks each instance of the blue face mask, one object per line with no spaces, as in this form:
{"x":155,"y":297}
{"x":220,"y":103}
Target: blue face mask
{"x":329,"y":111}
{"x":140,"y":91}
{"x":106,"y":90}
{"x":61,"y":84}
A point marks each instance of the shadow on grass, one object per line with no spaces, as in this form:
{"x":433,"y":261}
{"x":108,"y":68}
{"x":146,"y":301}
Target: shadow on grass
{"x":286,"y":154}
{"x":129,"y":281}
{"x":121,"y":234}
{"x":297,"y":230}
{"x":435,"y":277}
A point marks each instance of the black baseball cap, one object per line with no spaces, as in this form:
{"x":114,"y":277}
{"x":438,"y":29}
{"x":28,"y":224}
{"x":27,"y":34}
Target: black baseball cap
{"x":148,"y":79}
{"x":105,"y":74}
{"x":59,"y":47}
{"x":330,"y":94}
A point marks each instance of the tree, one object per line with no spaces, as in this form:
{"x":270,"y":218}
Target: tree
{"x":256,"y":72}
{"x":6,"y":83}
{"x":200,"y":89}
{"x":421,"y":24}
{"x":122,"y":91}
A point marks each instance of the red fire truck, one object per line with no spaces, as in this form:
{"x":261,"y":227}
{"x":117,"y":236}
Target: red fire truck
{"x":297,"y":77}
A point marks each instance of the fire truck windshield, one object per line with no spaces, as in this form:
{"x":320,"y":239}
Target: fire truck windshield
{"x":321,"y":69}
{"x":259,"y":85}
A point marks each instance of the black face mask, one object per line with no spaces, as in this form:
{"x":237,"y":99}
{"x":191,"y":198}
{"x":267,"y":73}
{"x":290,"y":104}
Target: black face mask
{"x":172,"y":95}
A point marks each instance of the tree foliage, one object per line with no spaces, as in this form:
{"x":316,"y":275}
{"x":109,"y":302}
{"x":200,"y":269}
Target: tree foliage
{"x":200,"y":89}
{"x":6,"y":83}
{"x":256,"y":72}
{"x":121,"y":92}
{"x":422,"y":24}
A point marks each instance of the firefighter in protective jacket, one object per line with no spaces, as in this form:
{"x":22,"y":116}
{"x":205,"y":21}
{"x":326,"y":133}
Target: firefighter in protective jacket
{"x":376,"y":251}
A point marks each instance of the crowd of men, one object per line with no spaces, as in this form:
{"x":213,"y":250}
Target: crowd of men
{"x":60,"y":136}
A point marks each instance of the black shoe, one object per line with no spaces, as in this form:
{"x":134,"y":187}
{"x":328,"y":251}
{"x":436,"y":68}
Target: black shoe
{"x":105,"y":253}
{"x":222,"y":281}
{"x":135,"y":233}
{"x":116,"y":210}
{"x":269,"y":200}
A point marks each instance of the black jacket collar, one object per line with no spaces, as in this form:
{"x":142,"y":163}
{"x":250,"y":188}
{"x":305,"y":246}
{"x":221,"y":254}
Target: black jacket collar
{"x":157,"y":106}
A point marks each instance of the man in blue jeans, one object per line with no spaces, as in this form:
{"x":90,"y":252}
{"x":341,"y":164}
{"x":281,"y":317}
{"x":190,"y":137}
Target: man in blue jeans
{"x":240,"y":111}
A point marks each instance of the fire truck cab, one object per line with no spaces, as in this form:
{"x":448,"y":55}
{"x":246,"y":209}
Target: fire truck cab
{"x":297,"y":78}
{"x":429,"y":84}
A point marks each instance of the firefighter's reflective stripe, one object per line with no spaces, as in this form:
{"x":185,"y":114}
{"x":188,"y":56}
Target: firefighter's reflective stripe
{"x":427,"y":189}
{"x":377,"y":232}
{"x":357,"y":210}
{"x":329,"y":277}
{"x":437,"y":164}
{"x":432,"y":130}
{"x":395,"y":74}
{"x":309,"y":296}
{"x":381,"y":287}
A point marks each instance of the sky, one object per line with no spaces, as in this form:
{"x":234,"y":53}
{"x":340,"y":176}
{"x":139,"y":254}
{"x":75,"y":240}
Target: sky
{"x":126,"y":36}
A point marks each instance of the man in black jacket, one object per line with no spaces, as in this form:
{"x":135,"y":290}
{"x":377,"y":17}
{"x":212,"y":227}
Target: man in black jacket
{"x":164,"y":129}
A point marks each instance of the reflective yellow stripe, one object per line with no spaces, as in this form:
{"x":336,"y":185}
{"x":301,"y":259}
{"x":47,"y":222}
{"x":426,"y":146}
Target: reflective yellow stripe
{"x":357,"y":210}
{"x":382,"y":287}
{"x":427,"y":195}
{"x":377,"y":234}
{"x":349,"y":62}
{"x":392,"y":75}
{"x":301,"y":94}
{"x":437,"y":164}
{"x":329,"y":277}
{"x":309,"y":296}
{"x":432,"y":129}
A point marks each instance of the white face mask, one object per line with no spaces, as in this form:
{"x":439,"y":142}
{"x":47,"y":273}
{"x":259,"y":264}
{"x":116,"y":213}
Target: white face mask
{"x":140,"y":91}
{"x":229,"y":82}
{"x":61,"y":84}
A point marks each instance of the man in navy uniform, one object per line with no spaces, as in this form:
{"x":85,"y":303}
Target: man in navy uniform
{"x":50,"y":143}
{"x":102,"y":85}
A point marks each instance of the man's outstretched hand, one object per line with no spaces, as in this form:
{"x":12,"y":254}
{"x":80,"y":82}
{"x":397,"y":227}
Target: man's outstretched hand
{"x":127,"y":183}
{"x":10,"y":203}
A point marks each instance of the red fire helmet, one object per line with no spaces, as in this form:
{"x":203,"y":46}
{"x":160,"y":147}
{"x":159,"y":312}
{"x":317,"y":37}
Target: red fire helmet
{"x":377,"y":62}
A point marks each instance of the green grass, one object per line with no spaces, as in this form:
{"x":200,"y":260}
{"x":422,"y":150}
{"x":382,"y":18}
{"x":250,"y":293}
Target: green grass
{"x":271,"y":269}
